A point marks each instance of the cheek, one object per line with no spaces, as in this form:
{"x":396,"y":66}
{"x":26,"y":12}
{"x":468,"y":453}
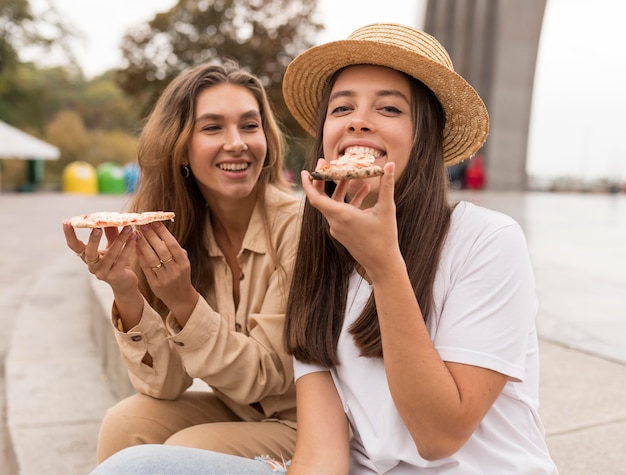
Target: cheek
{"x":258,"y":148}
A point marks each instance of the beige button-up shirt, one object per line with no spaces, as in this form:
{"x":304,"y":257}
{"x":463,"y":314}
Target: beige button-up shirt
{"x":239,"y":352}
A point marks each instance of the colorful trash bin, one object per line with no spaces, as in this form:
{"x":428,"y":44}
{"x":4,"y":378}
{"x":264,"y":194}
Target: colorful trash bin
{"x":80,"y":177}
{"x":111,"y":179}
{"x":131,"y":175}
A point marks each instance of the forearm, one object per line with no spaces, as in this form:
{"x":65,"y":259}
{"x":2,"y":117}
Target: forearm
{"x":424,"y":391}
{"x":323,"y":437}
{"x":129,"y":308}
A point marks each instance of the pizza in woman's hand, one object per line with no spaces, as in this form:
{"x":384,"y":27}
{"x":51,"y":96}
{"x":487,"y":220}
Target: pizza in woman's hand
{"x":109,"y":219}
{"x":355,"y":164}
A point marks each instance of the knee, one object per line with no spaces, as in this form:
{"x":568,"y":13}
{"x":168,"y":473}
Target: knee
{"x":130,"y":422}
{"x":215,"y":437}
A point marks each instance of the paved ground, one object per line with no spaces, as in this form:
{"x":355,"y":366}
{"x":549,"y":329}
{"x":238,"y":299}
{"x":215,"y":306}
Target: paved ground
{"x":53,"y":391}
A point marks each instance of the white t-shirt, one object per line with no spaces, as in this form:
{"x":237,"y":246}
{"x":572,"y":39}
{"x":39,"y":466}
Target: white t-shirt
{"x":485,"y":308}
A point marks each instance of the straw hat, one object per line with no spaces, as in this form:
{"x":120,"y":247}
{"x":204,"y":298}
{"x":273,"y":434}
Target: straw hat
{"x":402,"y":48}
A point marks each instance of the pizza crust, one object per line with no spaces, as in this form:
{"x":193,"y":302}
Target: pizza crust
{"x":108,"y":219}
{"x":351,"y":166}
{"x":347,"y":173}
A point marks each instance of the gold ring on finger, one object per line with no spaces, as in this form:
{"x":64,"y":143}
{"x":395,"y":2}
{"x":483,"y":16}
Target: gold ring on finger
{"x":169,"y":259}
{"x":93,"y":261}
{"x":81,"y":254}
{"x":157,"y":267}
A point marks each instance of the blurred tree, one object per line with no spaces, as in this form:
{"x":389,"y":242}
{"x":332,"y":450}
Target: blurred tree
{"x":68,"y":132}
{"x":103,"y":105}
{"x":19,"y":28}
{"x":262,"y":35}
{"x":30,"y":97}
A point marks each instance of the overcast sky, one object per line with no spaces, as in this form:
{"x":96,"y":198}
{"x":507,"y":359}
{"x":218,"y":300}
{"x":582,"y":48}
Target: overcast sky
{"x":579,"y":100}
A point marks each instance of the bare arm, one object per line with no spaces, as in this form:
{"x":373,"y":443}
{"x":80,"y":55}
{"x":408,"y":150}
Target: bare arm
{"x":323,"y":437}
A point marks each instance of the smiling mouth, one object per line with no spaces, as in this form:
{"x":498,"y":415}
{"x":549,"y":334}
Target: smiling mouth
{"x":363,"y":151}
{"x":234,"y":167}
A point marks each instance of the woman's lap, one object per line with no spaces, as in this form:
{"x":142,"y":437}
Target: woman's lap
{"x":156,"y":459}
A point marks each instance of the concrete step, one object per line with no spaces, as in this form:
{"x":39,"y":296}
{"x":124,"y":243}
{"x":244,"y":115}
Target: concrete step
{"x":56,"y":389}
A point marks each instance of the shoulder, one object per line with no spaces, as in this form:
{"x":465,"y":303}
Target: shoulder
{"x":284,"y":212}
{"x":471,"y":224}
{"x":469,"y":215}
{"x":283,"y":206}
{"x":478,"y":232}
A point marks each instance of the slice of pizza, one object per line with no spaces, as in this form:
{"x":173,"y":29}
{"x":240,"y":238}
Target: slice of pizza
{"x":354,"y":164}
{"x":109,"y":219}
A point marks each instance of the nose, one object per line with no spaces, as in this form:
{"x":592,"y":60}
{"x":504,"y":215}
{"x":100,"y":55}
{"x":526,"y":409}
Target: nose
{"x":234,"y":142}
{"x":359,"y":123}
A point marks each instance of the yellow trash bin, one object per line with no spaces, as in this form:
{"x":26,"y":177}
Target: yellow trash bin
{"x":80,"y":177}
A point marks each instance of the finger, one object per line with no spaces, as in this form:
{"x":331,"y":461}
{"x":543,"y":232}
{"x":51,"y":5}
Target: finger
{"x":360,"y":195}
{"x":72,"y":240}
{"x":118,"y":249}
{"x":155,"y":241}
{"x":387,"y":185}
{"x":91,"y":251}
{"x":147,"y":258}
{"x":145,"y":252}
{"x":173,"y":249}
{"x":111,"y":234}
{"x":340,"y":190}
{"x":314,"y":189}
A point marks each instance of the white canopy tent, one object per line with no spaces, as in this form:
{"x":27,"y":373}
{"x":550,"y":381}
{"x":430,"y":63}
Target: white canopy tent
{"x":15,"y":143}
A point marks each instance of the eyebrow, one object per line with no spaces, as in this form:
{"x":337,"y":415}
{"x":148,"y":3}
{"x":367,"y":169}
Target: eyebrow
{"x":380,"y":93}
{"x":246,"y":115}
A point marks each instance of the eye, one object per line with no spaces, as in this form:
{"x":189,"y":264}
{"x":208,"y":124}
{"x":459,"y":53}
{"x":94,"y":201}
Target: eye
{"x":391,"y":110}
{"x":211,"y":128}
{"x":339,"y":110}
{"x":251,"y":126}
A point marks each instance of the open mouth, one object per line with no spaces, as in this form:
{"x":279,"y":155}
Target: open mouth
{"x":234,"y":167}
{"x":358,"y":150}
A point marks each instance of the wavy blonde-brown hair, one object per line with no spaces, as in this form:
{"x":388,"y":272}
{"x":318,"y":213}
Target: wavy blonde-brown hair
{"x":162,"y":153}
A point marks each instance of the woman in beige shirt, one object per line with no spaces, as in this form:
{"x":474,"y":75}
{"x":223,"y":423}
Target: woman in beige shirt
{"x":204,"y":296}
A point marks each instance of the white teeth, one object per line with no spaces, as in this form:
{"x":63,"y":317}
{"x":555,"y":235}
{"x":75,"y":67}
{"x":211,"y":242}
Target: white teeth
{"x":362,"y":150}
{"x":233,"y":167}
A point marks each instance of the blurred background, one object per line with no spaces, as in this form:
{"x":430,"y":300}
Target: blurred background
{"x":78,"y":77}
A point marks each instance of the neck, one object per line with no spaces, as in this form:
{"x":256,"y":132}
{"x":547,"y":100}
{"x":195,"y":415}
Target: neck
{"x":230,"y":219}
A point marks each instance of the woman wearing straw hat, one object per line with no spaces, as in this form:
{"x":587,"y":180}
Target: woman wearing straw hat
{"x":411,"y":321}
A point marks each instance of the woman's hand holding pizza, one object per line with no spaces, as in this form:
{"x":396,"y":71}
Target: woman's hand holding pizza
{"x":164,"y":263}
{"x":167,"y":269}
{"x":370,"y":235}
{"x":110,"y":264}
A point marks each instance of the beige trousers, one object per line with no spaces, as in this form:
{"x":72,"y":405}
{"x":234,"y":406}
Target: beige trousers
{"x":195,"y":419}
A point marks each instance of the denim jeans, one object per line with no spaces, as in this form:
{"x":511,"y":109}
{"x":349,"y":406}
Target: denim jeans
{"x":157,"y":459}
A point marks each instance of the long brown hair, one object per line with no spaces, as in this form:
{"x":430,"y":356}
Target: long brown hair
{"x":162,"y":152}
{"x":317,"y":299}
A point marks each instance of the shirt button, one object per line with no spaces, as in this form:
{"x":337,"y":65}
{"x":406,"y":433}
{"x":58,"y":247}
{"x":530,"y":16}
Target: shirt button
{"x":136,"y":337}
{"x":238,"y":327}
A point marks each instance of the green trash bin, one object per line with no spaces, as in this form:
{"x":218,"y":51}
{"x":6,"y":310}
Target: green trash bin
{"x":80,"y":177}
{"x":111,"y":179}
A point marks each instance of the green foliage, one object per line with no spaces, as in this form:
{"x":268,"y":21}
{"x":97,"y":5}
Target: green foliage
{"x":99,"y":120}
{"x":19,"y":28}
